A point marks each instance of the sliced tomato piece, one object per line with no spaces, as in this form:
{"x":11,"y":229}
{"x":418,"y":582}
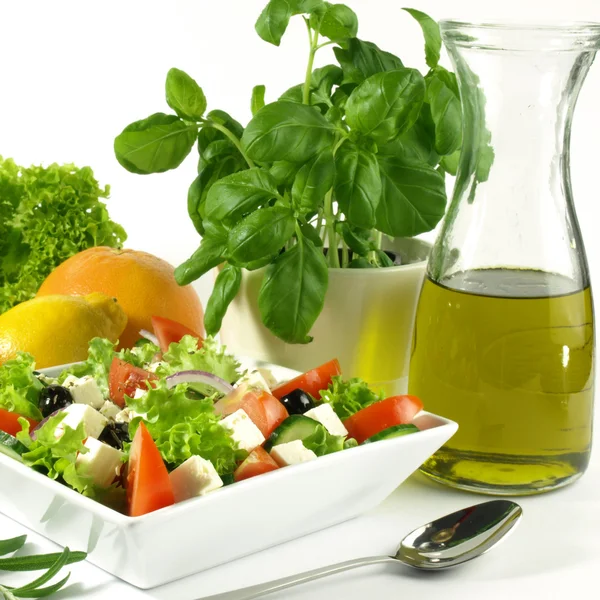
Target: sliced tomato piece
{"x":9,"y":422}
{"x":312,"y":382}
{"x":148,"y":484}
{"x":168,"y":332}
{"x":124,"y":379}
{"x":265,"y":411}
{"x":276,"y":413}
{"x":369,"y":421}
{"x":257,"y":463}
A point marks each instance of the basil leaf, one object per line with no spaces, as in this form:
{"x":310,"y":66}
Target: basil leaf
{"x":358,"y":184}
{"x":416,"y":144}
{"x":357,"y":240}
{"x":230,"y":198}
{"x":339,"y":23}
{"x":209,"y":173}
{"x":308,"y":6}
{"x":413,"y":197}
{"x":258,"y":98}
{"x":313,"y":181}
{"x":222,"y":118}
{"x":293,"y":291}
{"x":361,"y":263}
{"x":308,"y":231}
{"x":293,"y":94}
{"x":210,"y":254}
{"x":326,"y":77}
{"x":360,"y":60}
{"x":154,"y":145}
{"x":383,"y":259}
{"x":444,"y":100}
{"x":450,"y":162}
{"x":287,"y":131}
{"x":273,"y":21}
{"x":431,"y":33}
{"x":260,"y":234}
{"x":284,"y":171}
{"x":387,"y":104}
{"x":184,"y":95}
{"x":225,"y":290}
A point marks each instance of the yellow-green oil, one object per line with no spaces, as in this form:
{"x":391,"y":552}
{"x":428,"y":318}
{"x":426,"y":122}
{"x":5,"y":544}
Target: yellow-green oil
{"x":508,"y":355}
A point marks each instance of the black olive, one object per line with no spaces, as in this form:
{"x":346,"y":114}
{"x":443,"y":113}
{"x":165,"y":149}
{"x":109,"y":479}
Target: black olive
{"x":297,"y":402}
{"x":115,"y":435}
{"x":53,"y":398}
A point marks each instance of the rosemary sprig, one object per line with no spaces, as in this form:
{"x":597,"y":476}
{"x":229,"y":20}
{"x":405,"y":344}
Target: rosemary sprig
{"x":52,"y":563}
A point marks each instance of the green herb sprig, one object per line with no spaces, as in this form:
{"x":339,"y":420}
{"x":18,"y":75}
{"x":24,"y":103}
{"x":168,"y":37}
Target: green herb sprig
{"x":355,"y":151}
{"x":52,"y":563}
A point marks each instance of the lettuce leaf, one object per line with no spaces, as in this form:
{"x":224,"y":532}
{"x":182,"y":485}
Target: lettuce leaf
{"x":186,"y":356}
{"x":54,"y":456}
{"x":139,"y":356}
{"x":321,"y":442}
{"x":48,"y":215}
{"x":100,"y":355}
{"x":19,"y":387}
{"x":183,"y":426}
{"x":348,"y":397}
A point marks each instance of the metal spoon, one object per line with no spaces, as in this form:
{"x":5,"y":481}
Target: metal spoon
{"x":443,"y":543}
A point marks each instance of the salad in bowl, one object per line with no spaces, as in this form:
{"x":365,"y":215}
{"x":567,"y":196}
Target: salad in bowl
{"x":176,"y":417}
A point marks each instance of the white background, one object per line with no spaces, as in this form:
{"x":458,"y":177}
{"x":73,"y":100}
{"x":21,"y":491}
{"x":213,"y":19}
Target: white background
{"x":74,"y":73}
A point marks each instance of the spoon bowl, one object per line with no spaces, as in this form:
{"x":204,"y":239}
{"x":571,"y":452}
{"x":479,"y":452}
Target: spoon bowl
{"x":460,"y":536}
{"x":446,"y":542}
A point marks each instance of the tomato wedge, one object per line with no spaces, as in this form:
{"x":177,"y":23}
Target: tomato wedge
{"x":148,"y":484}
{"x":312,"y":382}
{"x":396,"y":410}
{"x":9,"y":422}
{"x":168,"y":332}
{"x":124,"y":379}
{"x":257,"y":463}
{"x":265,"y":411}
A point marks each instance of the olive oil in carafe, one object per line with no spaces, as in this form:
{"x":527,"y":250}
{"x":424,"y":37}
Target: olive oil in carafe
{"x":508,"y":354}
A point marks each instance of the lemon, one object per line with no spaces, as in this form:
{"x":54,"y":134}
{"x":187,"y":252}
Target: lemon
{"x":57,"y":329}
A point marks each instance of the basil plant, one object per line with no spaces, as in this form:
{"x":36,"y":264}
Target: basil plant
{"x":356,"y":151}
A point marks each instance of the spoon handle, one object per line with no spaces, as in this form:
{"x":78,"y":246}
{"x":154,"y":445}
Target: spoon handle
{"x":276,"y":585}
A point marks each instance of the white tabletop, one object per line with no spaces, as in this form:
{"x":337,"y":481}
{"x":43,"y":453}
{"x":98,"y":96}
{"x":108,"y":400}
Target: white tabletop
{"x":554,"y":551}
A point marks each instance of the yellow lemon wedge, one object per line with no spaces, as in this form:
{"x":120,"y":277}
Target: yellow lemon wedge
{"x":57,"y":329}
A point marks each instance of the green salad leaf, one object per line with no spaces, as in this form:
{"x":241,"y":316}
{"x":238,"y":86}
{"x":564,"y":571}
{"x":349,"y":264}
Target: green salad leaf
{"x":56,"y":456}
{"x":211,"y":357}
{"x":100,"y":355}
{"x":321,"y":442}
{"x":348,"y":397}
{"x":19,"y":387}
{"x":183,"y":426}
{"x":140,"y":355}
{"x":48,"y":215}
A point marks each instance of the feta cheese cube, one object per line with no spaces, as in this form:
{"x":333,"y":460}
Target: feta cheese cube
{"x":84,"y":390}
{"x":110,"y":410}
{"x":254,"y":379}
{"x":127,"y":415}
{"x":93,"y":421}
{"x":195,"y":477}
{"x":292,"y":453}
{"x":102,"y":463}
{"x":325,"y":414}
{"x":139,"y":393}
{"x":243,"y":430}
{"x":268,"y":377}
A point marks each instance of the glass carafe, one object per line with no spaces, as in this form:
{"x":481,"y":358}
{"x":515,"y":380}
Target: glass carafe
{"x":504,"y":338}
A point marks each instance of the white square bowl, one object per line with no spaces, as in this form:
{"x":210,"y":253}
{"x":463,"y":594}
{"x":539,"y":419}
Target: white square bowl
{"x":234,"y":521}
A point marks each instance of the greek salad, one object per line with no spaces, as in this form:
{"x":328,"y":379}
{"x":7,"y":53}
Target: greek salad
{"x":175,"y":417}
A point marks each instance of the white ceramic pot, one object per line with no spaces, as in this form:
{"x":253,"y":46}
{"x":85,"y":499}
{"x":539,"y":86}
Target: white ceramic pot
{"x":366,"y":323}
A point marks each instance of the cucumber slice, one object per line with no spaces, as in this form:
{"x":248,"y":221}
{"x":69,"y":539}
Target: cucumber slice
{"x":10,"y":446}
{"x":295,"y":427}
{"x":392,"y":432}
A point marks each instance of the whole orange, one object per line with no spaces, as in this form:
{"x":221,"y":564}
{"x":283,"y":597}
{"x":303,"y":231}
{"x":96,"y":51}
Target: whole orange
{"x":143,"y":284}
